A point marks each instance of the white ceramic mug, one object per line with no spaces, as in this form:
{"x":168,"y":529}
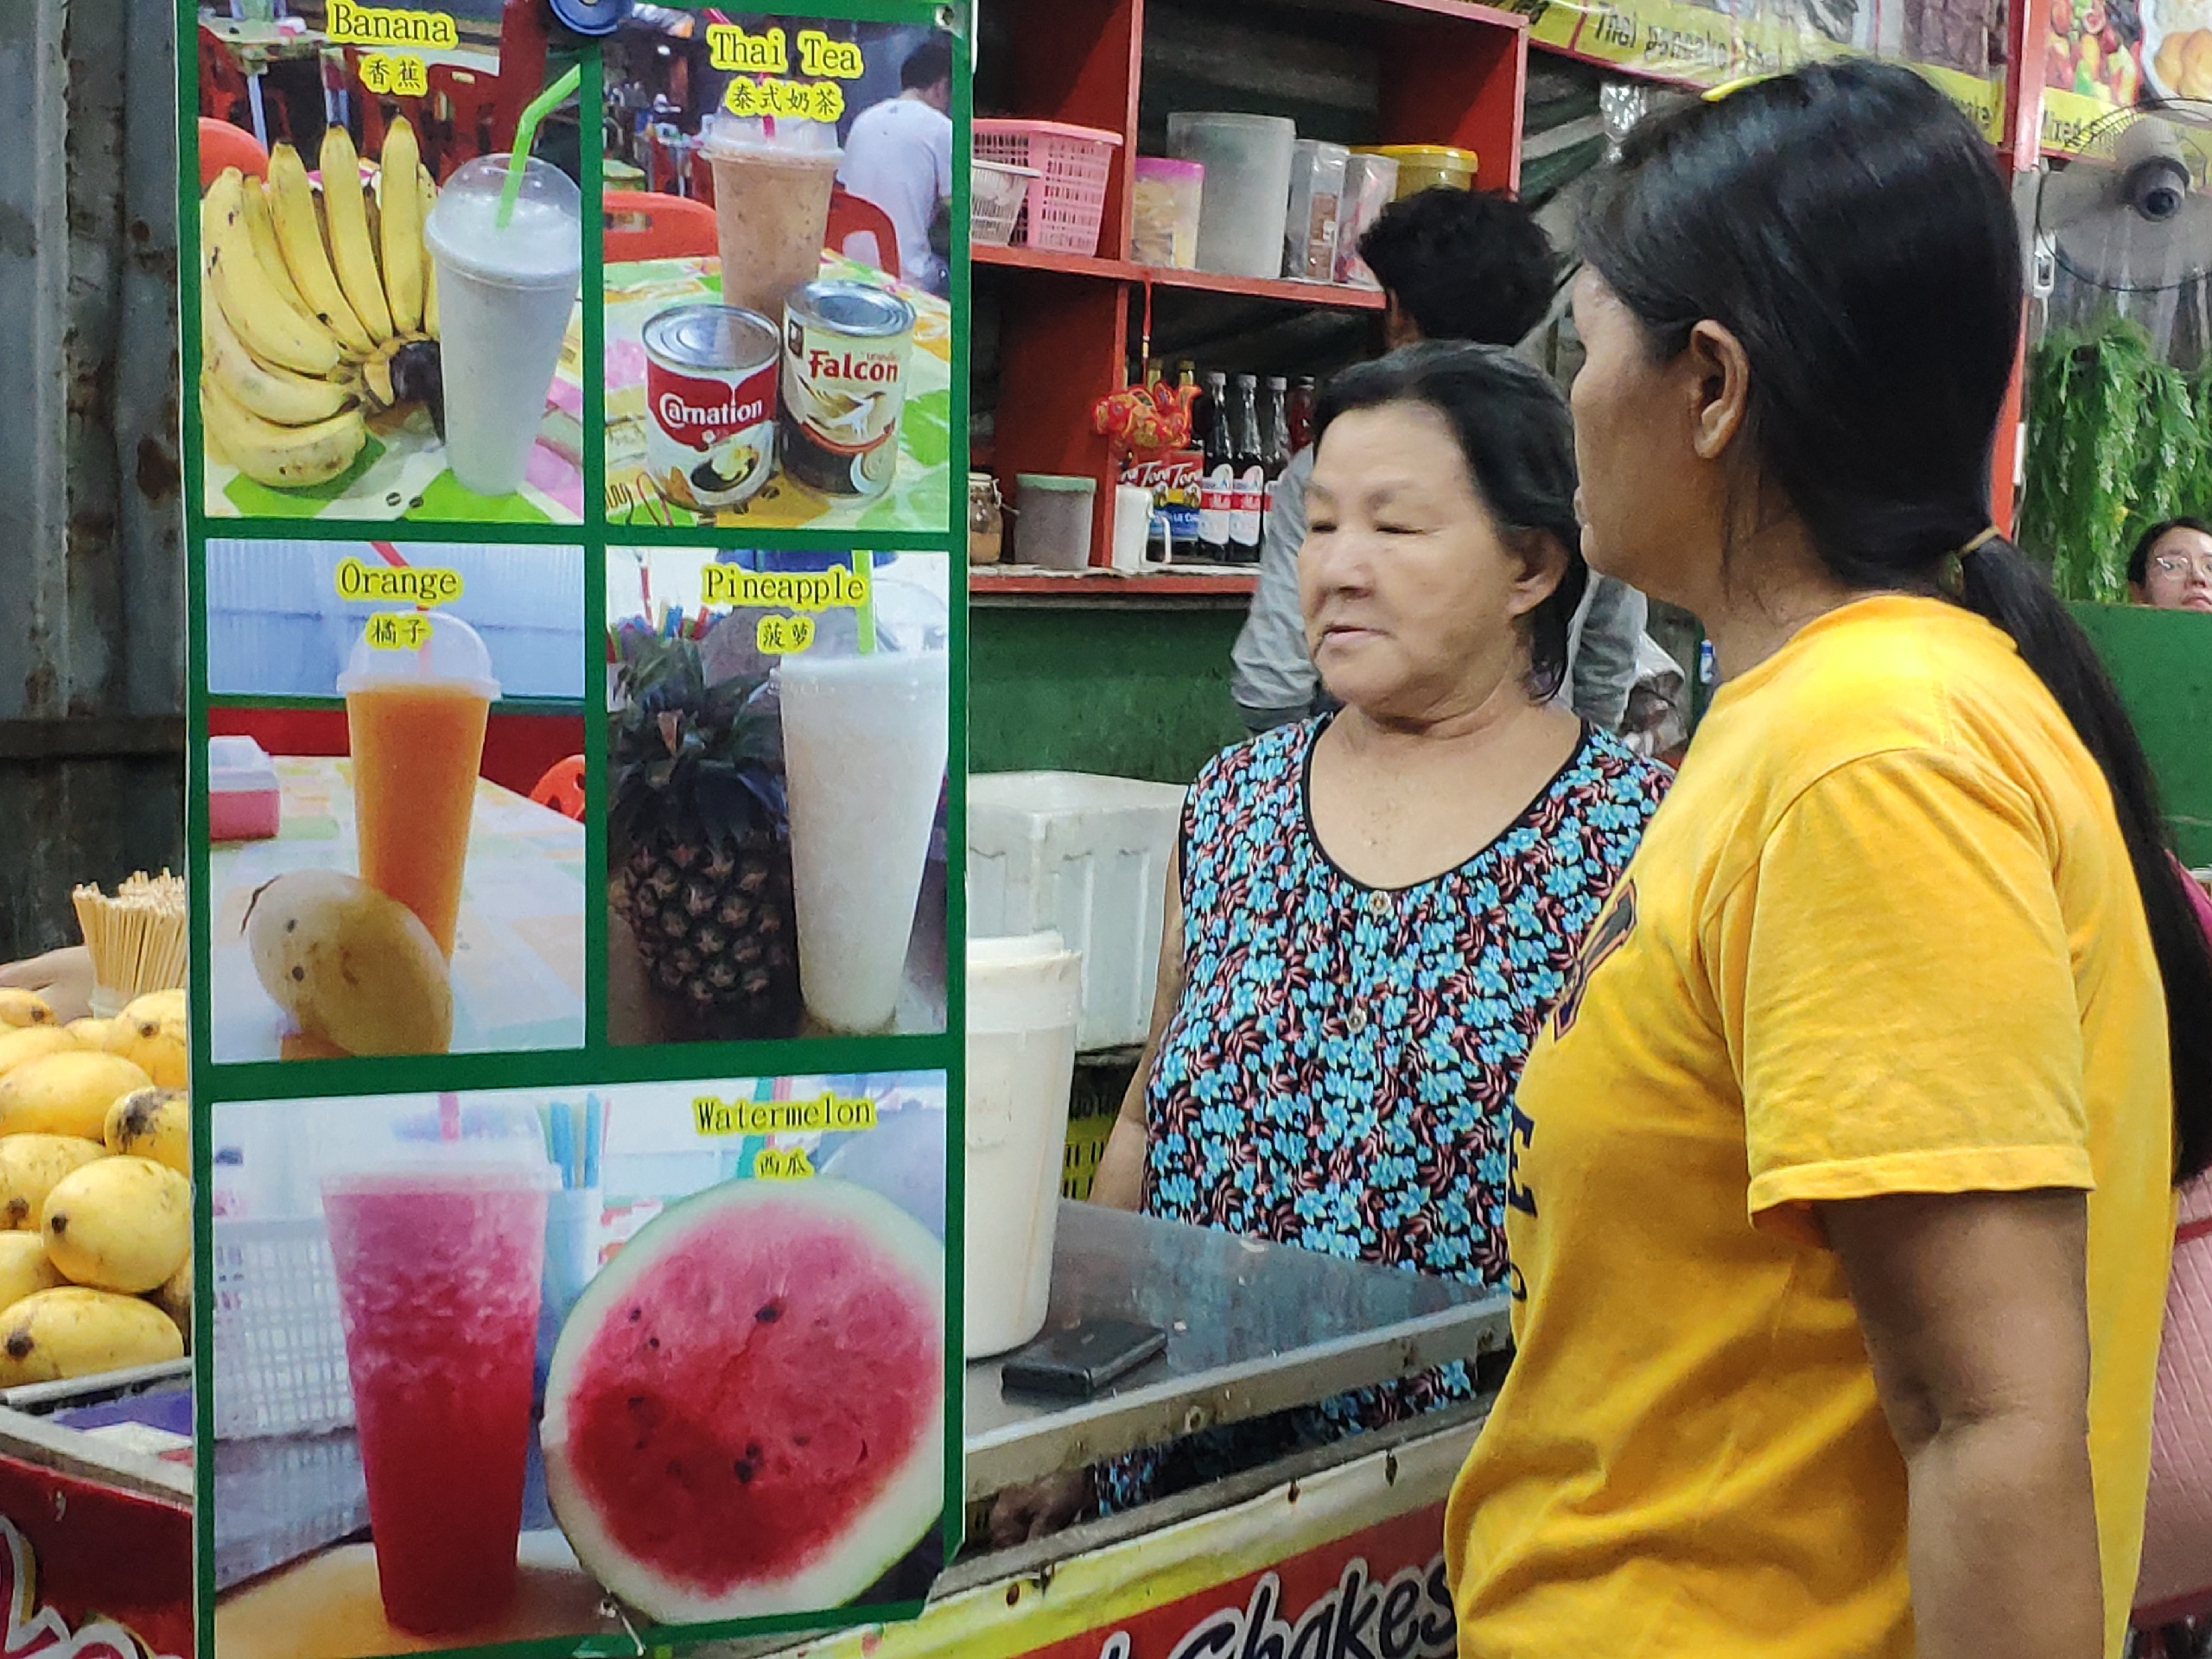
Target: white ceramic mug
{"x":1132,"y":509}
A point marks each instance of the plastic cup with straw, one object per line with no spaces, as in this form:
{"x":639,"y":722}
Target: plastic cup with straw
{"x":526,"y":134}
{"x":864,"y":749}
{"x":507,"y":243}
{"x":864,"y":615}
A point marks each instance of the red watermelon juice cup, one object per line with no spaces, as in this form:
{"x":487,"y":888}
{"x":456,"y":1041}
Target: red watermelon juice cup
{"x":438,"y":1270}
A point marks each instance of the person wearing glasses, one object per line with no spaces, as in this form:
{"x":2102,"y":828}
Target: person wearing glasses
{"x":2170,"y":568}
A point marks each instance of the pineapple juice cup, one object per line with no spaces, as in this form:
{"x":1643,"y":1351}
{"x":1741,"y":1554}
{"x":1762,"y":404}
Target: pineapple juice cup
{"x":864,"y":749}
{"x":415,"y":718}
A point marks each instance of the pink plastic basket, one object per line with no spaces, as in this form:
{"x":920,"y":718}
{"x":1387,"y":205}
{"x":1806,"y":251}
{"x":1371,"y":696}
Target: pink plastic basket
{"x":1067,"y":204}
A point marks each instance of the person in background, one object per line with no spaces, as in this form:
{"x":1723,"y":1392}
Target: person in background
{"x":1842,"y":1178}
{"x":899,"y":155}
{"x":2170,"y":568}
{"x":1368,"y":912}
{"x":1454,"y":264}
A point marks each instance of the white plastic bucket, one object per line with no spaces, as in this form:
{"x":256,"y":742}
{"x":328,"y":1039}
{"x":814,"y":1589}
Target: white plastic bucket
{"x":1023,"y":996}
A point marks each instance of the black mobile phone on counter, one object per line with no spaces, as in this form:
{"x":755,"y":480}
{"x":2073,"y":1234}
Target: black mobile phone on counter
{"x":1075,"y":1364}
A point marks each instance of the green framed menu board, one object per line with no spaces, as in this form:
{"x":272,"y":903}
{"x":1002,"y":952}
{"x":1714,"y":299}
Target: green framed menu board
{"x":578,"y":667}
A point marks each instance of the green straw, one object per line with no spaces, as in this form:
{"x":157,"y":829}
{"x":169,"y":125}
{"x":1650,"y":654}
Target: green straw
{"x":864,"y":568}
{"x":526,"y":134}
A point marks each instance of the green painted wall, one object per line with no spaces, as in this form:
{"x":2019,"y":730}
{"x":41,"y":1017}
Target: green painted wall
{"x":1144,"y":693}
{"x":2162,"y":662}
{"x":1135,"y":693}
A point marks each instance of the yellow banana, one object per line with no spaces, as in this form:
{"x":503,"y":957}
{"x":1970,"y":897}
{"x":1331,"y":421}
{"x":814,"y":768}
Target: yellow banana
{"x":401,"y":226}
{"x":217,"y":205}
{"x":427,"y":188}
{"x":299,"y":234}
{"x":350,"y":249}
{"x":283,"y":457}
{"x":272,"y":331}
{"x":273,"y":394}
{"x":261,"y":231}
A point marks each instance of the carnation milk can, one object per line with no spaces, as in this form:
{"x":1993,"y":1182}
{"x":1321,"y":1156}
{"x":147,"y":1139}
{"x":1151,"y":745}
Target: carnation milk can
{"x":710,"y":404}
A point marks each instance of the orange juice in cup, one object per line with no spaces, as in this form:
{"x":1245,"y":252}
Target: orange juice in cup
{"x":414,"y":716}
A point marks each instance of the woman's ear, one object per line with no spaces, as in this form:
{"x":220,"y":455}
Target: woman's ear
{"x":1543,"y":567}
{"x":1718,"y":382}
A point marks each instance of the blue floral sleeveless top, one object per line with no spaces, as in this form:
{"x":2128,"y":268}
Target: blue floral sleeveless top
{"x":1339,"y":1070}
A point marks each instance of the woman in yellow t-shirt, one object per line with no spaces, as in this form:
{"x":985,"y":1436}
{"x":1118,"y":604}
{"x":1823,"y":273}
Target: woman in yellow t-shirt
{"x":1840,"y":1200}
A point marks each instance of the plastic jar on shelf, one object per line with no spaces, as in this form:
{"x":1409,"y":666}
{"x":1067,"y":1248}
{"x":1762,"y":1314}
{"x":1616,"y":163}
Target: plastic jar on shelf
{"x":986,"y":520}
{"x":1054,"y":513}
{"x":1247,"y":195}
{"x":1371,"y":185}
{"x":1165,"y":211}
{"x":1420,"y":166}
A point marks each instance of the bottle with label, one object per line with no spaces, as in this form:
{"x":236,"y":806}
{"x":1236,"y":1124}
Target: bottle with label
{"x":1247,"y":510}
{"x":1217,"y":478}
{"x":1275,"y":449}
{"x":1301,"y":413}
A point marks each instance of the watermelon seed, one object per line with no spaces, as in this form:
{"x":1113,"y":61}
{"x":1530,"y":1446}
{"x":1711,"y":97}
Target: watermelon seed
{"x":744,"y":1473}
{"x":769,"y":1314}
{"x":752,"y":1452}
{"x":636,"y":1313}
{"x":652,"y":1342}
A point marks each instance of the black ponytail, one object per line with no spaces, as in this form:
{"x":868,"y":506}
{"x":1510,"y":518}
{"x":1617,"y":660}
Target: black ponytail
{"x":1849,"y":227}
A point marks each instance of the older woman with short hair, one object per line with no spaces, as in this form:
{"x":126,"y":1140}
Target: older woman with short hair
{"x":1369,"y":912}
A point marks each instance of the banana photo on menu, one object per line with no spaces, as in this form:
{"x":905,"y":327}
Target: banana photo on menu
{"x":390,"y":250}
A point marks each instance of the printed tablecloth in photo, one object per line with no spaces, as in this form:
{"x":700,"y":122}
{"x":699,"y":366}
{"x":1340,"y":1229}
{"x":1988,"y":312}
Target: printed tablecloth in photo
{"x":401,"y":473}
{"x":919,"y":497}
{"x":518,"y":959}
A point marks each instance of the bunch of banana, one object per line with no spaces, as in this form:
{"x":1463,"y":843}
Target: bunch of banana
{"x":318,"y":310}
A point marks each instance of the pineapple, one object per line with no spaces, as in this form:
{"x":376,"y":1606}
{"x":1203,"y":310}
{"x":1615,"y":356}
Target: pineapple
{"x":699,"y":841}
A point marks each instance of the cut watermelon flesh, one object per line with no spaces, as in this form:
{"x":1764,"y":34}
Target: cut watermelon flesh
{"x":745,"y":1413}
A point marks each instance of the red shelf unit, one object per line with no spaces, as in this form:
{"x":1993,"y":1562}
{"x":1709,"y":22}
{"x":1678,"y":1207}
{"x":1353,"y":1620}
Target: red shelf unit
{"x":1330,"y":295}
{"x":1097,"y":583}
{"x":1453,"y":73}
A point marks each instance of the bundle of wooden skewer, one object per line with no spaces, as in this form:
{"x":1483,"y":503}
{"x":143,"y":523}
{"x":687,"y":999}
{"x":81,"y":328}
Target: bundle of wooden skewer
{"x":136,"y":938}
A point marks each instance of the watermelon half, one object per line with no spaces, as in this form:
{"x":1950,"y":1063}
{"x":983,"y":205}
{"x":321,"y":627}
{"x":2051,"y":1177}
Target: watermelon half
{"x":745,"y":1413}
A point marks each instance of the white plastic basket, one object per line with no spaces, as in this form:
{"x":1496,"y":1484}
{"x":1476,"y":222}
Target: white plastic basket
{"x":280,"y":1343}
{"x":997,"y":191}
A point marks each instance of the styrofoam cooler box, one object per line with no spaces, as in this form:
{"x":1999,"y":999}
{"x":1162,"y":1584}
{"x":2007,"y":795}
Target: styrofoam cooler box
{"x":1084,"y":856}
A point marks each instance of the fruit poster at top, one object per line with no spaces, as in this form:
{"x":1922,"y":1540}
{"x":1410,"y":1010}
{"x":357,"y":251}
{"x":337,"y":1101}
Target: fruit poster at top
{"x":577,"y":748}
{"x":1957,"y":44}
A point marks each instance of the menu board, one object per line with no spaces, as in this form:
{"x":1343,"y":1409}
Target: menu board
{"x":577,"y":751}
{"x":1957,"y":44}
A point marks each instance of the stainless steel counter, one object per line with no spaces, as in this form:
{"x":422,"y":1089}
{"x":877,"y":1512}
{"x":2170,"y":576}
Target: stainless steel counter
{"x":1252,"y":1328}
